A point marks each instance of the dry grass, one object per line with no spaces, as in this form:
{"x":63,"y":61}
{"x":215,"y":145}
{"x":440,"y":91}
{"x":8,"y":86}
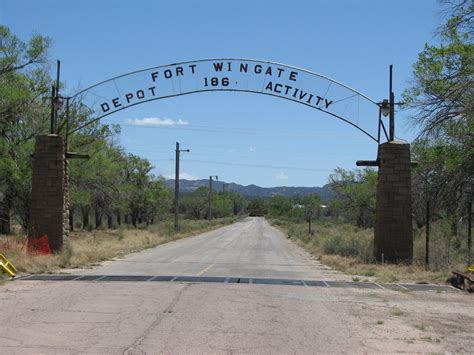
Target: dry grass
{"x":89,"y":248}
{"x":383,"y":273}
{"x":349,"y":249}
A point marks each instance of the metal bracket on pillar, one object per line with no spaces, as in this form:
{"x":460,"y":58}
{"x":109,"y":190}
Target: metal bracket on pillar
{"x":414,"y":164}
{"x":368,"y":163}
{"x":73,"y":155}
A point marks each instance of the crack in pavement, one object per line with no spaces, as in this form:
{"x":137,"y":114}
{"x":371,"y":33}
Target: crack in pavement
{"x":159,"y":318}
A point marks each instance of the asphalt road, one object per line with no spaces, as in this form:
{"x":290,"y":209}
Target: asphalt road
{"x":250,"y":248}
{"x":80,"y":317}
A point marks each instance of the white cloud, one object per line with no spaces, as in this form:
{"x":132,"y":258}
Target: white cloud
{"x":182,"y":176}
{"x":252,"y":149}
{"x":156,"y":121}
{"x":281,"y":175}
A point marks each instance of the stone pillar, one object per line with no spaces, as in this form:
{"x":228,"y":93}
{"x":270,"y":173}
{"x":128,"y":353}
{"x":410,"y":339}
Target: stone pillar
{"x":393,"y":220}
{"x":49,"y":212}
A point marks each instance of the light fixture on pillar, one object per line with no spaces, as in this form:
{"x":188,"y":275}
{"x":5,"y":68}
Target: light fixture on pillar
{"x":58,"y":103}
{"x":385,"y":108}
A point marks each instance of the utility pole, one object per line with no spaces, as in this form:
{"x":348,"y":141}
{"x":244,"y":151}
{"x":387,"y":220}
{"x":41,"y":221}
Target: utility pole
{"x":223,"y":197}
{"x":176,"y":187}
{"x":209,"y":212}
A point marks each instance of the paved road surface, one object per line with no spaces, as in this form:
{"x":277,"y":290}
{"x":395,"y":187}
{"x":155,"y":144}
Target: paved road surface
{"x":77,"y":317}
{"x":250,"y":248}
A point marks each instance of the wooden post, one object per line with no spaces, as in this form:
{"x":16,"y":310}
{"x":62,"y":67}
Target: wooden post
{"x":469,"y":233}
{"x":427,"y":246}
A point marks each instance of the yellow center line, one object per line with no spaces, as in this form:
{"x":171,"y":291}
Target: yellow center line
{"x":204,"y":270}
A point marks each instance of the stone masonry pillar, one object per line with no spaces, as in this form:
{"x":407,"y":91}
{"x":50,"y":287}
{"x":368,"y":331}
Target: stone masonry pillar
{"x":393,"y":220}
{"x":49,"y":212}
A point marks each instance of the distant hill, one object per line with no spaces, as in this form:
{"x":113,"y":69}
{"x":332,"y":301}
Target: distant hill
{"x":187,"y":186}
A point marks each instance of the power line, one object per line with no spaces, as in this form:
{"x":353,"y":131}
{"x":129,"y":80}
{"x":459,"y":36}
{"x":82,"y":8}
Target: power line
{"x":262,"y":166}
{"x":233,"y":156}
{"x":216,"y":129}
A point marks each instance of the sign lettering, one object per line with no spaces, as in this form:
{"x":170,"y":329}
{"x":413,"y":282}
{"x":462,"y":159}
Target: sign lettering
{"x":238,"y":75}
{"x":276,"y":79}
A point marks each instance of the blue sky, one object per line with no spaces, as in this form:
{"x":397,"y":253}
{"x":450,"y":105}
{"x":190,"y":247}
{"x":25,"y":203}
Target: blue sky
{"x":241,"y":137}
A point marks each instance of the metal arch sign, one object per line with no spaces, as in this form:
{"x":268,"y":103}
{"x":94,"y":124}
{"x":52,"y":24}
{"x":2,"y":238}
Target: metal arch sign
{"x":234,"y":75}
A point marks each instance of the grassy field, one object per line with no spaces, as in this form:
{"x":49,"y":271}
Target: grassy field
{"x":89,"y":248}
{"x":348,"y":249}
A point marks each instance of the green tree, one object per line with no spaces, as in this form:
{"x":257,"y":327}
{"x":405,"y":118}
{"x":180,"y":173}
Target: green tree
{"x":257,"y":207}
{"x":356,"y":195}
{"x":17,"y":55}
{"x":280,"y":206}
{"x":24,"y":84}
{"x":442,"y":97}
{"x":443,"y":89}
{"x":238,"y":203}
{"x":196,"y":203}
{"x":94,"y":182}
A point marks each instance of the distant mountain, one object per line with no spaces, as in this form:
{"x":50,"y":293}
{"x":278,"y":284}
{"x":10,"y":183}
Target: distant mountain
{"x":188,"y":186}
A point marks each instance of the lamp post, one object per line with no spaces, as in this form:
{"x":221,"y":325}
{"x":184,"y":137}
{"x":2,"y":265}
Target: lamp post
{"x":209,"y":211}
{"x":56,"y":100}
{"x":392,"y":109}
{"x":176,"y":186}
{"x":387,"y":108}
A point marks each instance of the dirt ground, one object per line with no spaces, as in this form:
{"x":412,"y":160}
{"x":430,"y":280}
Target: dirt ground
{"x":144,"y":318}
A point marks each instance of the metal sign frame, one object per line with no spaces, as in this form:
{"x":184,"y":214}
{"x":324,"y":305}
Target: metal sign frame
{"x":296,"y":70}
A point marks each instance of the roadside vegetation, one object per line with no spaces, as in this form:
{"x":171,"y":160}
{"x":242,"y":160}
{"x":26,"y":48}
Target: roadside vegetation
{"x":87,"y":248}
{"x":349,"y":249}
